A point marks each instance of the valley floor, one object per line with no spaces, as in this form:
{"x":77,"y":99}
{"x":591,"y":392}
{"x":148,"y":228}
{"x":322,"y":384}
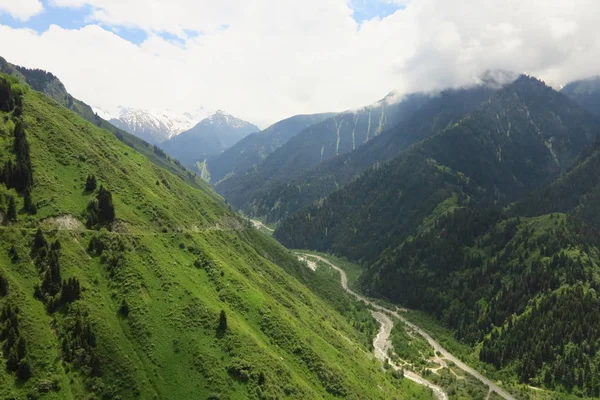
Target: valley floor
{"x":382,"y":343}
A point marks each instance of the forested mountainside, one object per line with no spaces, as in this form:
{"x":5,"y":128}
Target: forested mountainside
{"x":276,"y":202}
{"x":576,"y":193}
{"x":586,"y":93}
{"x":525,"y":135}
{"x":120,"y":280}
{"x":519,"y":284}
{"x":337,"y":135}
{"x":209,"y":137}
{"x":523,"y":287}
{"x":49,"y":84}
{"x":254,"y":148}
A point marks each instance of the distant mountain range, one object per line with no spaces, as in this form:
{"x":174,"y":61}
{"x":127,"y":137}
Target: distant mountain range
{"x":209,"y":137}
{"x":333,"y":137}
{"x":254,"y":148}
{"x":154,"y":127}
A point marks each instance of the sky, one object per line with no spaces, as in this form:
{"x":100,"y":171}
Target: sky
{"x":265,"y":60}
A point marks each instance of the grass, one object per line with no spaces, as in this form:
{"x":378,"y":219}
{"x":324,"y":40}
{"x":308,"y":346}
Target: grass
{"x":177,"y":257}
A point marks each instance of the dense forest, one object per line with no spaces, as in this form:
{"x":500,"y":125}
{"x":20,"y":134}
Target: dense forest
{"x":283,"y":199}
{"x":469,"y":225}
{"x":525,"y":135}
{"x":335,"y":136}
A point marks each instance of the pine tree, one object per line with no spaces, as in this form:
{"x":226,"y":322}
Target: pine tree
{"x":222,"y":323}
{"x":28,"y":204}
{"x":23,"y":370}
{"x":90,"y":183}
{"x":124,"y":308}
{"x":7,"y":102}
{"x":3,"y":286}
{"x":106,"y":209}
{"x":11,"y":211}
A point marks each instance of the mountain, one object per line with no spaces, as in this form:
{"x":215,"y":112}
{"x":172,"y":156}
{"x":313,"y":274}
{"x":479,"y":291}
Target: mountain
{"x":576,"y":193}
{"x":209,"y":137}
{"x":586,"y":93}
{"x":334,"y":136}
{"x":120,"y":280}
{"x":525,"y":135}
{"x":50,"y":85}
{"x":276,"y":202}
{"x":254,"y":148}
{"x":517,"y":284}
{"x":154,"y":128}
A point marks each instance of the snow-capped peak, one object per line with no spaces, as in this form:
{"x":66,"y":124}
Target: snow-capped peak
{"x":102,"y":113}
{"x":221,"y":117}
{"x":153,"y":126}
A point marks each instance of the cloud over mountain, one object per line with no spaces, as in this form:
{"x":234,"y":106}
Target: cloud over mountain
{"x":266,"y":60}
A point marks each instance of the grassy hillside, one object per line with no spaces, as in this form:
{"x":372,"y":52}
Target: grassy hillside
{"x":50,"y":85}
{"x":172,"y":297}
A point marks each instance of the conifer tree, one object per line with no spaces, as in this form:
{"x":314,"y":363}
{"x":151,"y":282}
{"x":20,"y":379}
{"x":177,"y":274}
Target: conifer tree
{"x":222,"y":323}
{"x":11,"y":211}
{"x":90,"y":183}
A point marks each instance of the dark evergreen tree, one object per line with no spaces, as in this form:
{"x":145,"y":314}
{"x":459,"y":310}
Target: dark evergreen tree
{"x":23,"y":370}
{"x":70,"y":291}
{"x":11,"y":211}
{"x":106,"y":209}
{"x":222,"y":328}
{"x":90,"y":183}
{"x":3,"y":286}
{"x":124,"y":308}
{"x":39,"y":243}
{"x":7,"y":101}
{"x":28,"y":204}
{"x":22,"y":177}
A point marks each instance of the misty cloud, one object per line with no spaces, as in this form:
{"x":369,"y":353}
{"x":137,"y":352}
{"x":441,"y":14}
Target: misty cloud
{"x":266,"y":60}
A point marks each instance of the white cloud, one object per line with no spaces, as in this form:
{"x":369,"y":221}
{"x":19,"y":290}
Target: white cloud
{"x":21,"y":9}
{"x":277,"y":58}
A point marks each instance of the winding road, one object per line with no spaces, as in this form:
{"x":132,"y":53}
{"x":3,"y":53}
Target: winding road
{"x":436,"y":346}
{"x":258,"y":225}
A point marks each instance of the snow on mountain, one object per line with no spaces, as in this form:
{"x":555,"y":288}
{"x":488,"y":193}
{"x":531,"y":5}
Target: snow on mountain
{"x":154,"y":127}
{"x":103,"y":113}
{"x":222,"y":118}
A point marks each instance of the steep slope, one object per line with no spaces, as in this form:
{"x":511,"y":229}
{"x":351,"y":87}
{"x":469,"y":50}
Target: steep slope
{"x":279,"y":201}
{"x":209,"y":137}
{"x":119,"y":280}
{"x":576,"y":193}
{"x":521,"y":291}
{"x":586,"y":93}
{"x":499,"y":283}
{"x":525,"y":135}
{"x":49,"y":84}
{"x":320,"y":142}
{"x":254,"y":148}
{"x":155,"y":128}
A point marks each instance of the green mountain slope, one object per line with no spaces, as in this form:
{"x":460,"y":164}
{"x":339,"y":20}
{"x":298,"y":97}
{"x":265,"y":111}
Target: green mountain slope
{"x":49,"y":84}
{"x":279,"y":201}
{"x":576,"y":193}
{"x":320,"y":142}
{"x":521,"y":291}
{"x":524,"y":289}
{"x":119,"y":280}
{"x":254,"y":148}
